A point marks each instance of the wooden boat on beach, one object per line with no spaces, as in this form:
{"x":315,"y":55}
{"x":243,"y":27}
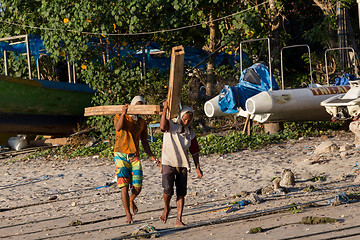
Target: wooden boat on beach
{"x":34,"y":106}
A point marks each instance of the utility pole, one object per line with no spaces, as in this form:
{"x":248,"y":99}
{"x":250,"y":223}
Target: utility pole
{"x":358,"y":2}
{"x":341,"y":33}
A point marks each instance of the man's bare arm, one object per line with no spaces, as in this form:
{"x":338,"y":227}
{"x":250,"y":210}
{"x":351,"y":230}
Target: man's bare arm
{"x":197,"y":165}
{"x":164,"y":123}
{"x":121,"y":122}
{"x":146,"y":146}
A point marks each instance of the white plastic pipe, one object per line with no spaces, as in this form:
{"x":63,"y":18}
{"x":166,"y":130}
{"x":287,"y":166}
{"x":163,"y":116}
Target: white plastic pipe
{"x":212,"y":109}
{"x":298,"y":104}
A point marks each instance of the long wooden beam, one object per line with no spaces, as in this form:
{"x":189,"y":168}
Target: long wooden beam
{"x":175,"y":81}
{"x":115,"y":109}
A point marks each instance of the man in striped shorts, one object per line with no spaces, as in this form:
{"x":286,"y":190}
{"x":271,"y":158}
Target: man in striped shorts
{"x":129,"y":130}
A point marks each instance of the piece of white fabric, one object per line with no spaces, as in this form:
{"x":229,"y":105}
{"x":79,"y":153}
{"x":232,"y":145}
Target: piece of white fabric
{"x":182,"y":113}
{"x":133,"y":102}
{"x":137,"y":99}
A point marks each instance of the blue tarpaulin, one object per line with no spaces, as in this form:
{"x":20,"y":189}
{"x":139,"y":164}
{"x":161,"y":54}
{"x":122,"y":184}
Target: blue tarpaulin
{"x":35,"y":45}
{"x":193,"y":55}
{"x":344,"y":79}
{"x":253,"y":80}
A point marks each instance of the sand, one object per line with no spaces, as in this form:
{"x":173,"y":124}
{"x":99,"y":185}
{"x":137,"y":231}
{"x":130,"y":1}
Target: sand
{"x":68,"y":199}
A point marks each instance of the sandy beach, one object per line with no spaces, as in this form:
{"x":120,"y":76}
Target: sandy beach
{"x":48,"y":198}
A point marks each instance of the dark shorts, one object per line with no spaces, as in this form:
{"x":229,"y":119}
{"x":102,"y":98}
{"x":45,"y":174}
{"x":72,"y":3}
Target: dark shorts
{"x":171,"y":175}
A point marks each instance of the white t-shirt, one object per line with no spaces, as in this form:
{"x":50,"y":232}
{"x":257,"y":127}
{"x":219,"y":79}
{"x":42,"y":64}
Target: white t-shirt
{"x":176,"y":145}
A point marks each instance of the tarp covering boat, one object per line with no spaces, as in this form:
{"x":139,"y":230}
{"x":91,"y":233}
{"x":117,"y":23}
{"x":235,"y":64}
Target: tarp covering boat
{"x":253,"y":80}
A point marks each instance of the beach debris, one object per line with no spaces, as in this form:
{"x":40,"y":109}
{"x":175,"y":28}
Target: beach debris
{"x":287,"y":178}
{"x":317,"y":220}
{"x":357,"y":168}
{"x":326,"y":147}
{"x":317,"y":160}
{"x":309,"y":220}
{"x":237,"y":205}
{"x":344,"y":177}
{"x":339,"y":199}
{"x":354,"y":126}
{"x":318,"y":178}
{"x":104,"y":186}
{"x":52,"y":198}
{"x":344,"y":154}
{"x":75,"y":223}
{"x":309,"y":205}
{"x":49,"y":141}
{"x":145,"y":231}
{"x":114,"y":181}
{"x":357,"y":178}
{"x":254,"y":198}
{"x":354,"y":196}
{"x":276,"y":183}
{"x":242,"y":203}
{"x":242,"y":194}
{"x":17,"y":143}
{"x":268,"y":189}
{"x":232,"y":209}
{"x":3,"y":148}
{"x":310,"y":188}
{"x":346,"y":147}
{"x":294,"y":209}
{"x":255,"y":230}
{"x":275,"y":188}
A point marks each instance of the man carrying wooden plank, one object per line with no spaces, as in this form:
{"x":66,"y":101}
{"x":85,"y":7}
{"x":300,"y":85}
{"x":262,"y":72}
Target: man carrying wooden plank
{"x":179,"y":141}
{"x":129,"y":130}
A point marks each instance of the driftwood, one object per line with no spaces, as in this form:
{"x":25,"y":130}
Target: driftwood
{"x":115,"y":109}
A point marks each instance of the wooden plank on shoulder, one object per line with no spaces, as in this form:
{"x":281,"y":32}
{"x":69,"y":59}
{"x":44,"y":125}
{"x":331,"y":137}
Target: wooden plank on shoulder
{"x":115,"y":109}
{"x":175,"y":81}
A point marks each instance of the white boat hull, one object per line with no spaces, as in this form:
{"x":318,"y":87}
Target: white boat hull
{"x":301,"y":104}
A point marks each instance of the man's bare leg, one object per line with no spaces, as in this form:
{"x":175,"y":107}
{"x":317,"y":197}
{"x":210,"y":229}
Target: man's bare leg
{"x":126,"y":203}
{"x":166,"y":212}
{"x":180,"y":201}
{"x":135,"y":191}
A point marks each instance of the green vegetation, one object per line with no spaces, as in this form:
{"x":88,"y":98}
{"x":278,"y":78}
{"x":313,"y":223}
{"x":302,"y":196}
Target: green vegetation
{"x":256,"y":230}
{"x":212,"y":143}
{"x":318,"y":220}
{"x":310,"y":188}
{"x":318,"y":178}
{"x":293,"y":209}
{"x":70,"y":151}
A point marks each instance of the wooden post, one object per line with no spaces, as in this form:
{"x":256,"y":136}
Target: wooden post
{"x":249,"y":127}
{"x":246,"y":123}
{"x":28,"y":55}
{"x":6,"y":63}
{"x":175,"y":81}
{"x":69,"y":71}
{"x":38,"y":68}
